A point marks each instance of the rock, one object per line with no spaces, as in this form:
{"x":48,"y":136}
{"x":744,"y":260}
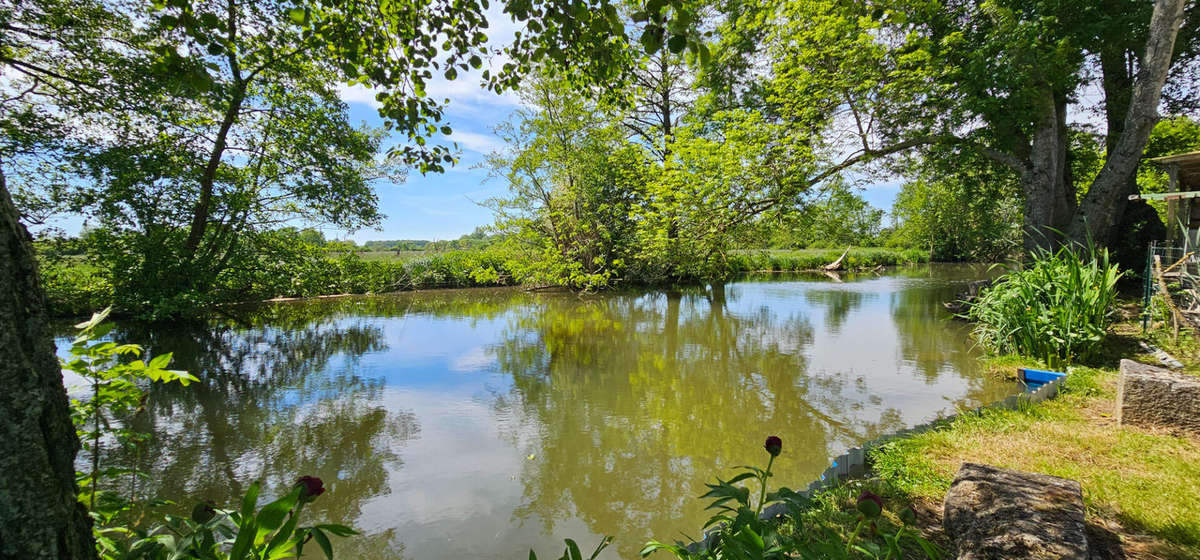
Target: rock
{"x":995,"y":513}
{"x":1154,"y":396}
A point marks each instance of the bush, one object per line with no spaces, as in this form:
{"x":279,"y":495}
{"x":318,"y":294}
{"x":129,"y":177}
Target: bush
{"x":1057,"y":309}
{"x":73,"y":289}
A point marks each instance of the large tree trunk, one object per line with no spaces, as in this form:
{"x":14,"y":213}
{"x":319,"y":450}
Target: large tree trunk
{"x":1049,"y":193}
{"x":40,"y":516}
{"x":1101,"y":208}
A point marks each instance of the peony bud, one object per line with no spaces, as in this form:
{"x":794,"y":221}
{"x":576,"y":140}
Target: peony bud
{"x":310,"y":487}
{"x":774,"y":445}
{"x":203,"y":512}
{"x":869,"y":504}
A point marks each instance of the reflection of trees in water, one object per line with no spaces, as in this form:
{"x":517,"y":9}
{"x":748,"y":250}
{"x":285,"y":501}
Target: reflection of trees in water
{"x":935,"y":342}
{"x":636,"y":399}
{"x":272,"y":403}
{"x":640,"y":400}
{"x":838,"y":304}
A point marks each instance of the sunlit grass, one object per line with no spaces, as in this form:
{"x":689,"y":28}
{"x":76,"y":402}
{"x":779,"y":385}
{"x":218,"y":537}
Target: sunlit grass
{"x":1142,"y":480}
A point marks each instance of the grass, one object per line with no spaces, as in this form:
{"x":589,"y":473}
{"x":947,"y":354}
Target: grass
{"x":1138,"y":483}
{"x":814,"y":259}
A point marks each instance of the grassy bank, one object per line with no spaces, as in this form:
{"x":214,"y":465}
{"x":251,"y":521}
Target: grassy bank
{"x":784,"y":260}
{"x":1139,"y":484}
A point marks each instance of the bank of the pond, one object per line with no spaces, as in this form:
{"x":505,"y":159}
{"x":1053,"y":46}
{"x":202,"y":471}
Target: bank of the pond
{"x":76,"y":288}
{"x":1139,"y":484}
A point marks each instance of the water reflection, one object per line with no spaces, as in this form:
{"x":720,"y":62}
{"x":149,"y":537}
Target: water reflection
{"x":479,"y":423}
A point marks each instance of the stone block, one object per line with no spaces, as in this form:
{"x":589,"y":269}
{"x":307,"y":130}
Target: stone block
{"x":1153,"y":396}
{"x":994,"y":513}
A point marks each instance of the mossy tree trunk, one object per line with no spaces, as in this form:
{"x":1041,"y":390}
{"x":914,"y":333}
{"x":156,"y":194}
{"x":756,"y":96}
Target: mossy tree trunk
{"x":40,"y":516}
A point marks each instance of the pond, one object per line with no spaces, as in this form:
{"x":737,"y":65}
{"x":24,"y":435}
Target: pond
{"x":481,"y":423}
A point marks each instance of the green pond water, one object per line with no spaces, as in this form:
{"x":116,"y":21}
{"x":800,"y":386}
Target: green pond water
{"x":483,"y":423}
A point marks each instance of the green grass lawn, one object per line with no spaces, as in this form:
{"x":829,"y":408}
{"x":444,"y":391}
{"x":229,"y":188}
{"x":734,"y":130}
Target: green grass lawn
{"x":1139,"y":484}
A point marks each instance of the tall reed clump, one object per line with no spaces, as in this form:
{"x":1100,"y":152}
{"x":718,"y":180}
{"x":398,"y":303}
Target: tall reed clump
{"x":1057,"y":308}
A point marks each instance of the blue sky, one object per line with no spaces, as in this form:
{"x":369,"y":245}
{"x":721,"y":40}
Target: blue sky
{"x":441,"y":205}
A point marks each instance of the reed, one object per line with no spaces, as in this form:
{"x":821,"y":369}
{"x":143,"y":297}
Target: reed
{"x":1057,"y":308}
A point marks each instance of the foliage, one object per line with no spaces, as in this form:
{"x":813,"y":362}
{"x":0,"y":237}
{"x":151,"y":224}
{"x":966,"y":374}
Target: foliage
{"x":739,"y":531}
{"x":214,"y":534}
{"x":113,"y":375}
{"x":959,"y":208}
{"x":571,"y":552}
{"x":722,"y":174}
{"x":576,"y":187}
{"x":839,"y":217}
{"x":1057,"y":308}
{"x":813,"y":259}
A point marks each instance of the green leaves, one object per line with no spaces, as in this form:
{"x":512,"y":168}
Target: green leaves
{"x":1056,"y":309}
{"x":572,"y":552}
{"x":652,"y":39}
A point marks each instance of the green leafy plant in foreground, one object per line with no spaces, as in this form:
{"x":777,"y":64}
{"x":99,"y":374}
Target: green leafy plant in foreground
{"x":115,"y":378}
{"x":114,"y":374}
{"x":215,"y":534}
{"x":572,"y":552}
{"x":1056,"y":309}
{"x":739,"y":531}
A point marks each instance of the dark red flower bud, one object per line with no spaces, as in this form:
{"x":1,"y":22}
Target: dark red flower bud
{"x":774,"y":445}
{"x":869,"y":504}
{"x":310,"y":487}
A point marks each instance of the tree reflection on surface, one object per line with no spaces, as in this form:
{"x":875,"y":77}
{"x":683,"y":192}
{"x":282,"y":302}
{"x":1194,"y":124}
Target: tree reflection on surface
{"x":480,"y":423}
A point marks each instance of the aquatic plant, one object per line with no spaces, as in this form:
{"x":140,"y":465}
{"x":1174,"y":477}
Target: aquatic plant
{"x":1057,"y":308}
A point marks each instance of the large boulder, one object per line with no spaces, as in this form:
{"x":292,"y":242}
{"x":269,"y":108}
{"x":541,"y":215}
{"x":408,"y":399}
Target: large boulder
{"x":1154,"y":396}
{"x":995,"y":513}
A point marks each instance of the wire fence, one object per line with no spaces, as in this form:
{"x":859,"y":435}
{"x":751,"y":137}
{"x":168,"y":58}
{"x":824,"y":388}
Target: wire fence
{"x":1172,"y":273}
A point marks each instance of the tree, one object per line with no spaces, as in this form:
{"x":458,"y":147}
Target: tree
{"x":996,"y":78}
{"x":576,"y":184}
{"x":959,"y":212}
{"x":41,"y":517}
{"x":837,"y":217}
{"x":721,"y":176}
{"x":57,"y":57}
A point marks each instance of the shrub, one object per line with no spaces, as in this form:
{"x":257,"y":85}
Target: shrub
{"x":1056,"y":309}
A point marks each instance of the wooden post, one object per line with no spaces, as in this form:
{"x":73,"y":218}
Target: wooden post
{"x":1173,"y":205}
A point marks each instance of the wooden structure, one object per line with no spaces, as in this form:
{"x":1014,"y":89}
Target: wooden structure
{"x":1183,"y":213}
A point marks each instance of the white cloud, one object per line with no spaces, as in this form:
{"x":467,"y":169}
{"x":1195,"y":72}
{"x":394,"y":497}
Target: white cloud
{"x":475,"y":142}
{"x":358,"y":93}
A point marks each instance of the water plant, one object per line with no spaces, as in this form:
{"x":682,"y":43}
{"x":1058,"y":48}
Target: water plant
{"x":1057,"y":308}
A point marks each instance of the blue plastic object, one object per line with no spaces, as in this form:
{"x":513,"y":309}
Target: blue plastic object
{"x":1034,"y":378}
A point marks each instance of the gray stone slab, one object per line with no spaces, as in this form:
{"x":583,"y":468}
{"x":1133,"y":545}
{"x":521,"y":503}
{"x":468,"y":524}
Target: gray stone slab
{"x":1154,"y":396}
{"x":994,"y":513}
